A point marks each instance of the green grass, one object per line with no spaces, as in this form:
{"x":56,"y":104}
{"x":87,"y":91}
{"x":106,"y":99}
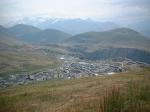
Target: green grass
{"x":124,"y":92}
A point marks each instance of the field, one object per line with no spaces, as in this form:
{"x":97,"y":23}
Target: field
{"x":122,"y":92}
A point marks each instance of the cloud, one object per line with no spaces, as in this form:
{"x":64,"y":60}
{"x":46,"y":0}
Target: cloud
{"x":120,"y":10}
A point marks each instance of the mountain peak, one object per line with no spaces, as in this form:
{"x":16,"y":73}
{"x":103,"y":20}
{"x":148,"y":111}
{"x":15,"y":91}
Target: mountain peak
{"x":25,"y":26}
{"x":22,"y":29}
{"x":2,"y":28}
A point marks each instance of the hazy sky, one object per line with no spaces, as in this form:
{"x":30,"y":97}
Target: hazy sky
{"x":112,"y":10}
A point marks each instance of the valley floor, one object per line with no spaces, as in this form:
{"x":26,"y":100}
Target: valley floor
{"x":76,"y":95}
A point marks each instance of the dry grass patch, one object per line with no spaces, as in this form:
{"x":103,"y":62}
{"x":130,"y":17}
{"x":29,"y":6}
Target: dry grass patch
{"x":89,"y":94}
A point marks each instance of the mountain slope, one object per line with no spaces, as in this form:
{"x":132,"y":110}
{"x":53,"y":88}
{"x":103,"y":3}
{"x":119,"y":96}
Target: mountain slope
{"x":72,"y":26}
{"x":8,"y":39}
{"x":112,"y":53}
{"x":142,"y":27}
{"x":122,"y":42}
{"x":17,"y":56}
{"x":2,"y":29}
{"x":34,"y":35}
{"x":46,"y":36}
{"x":122,"y":37}
{"x":22,"y":29}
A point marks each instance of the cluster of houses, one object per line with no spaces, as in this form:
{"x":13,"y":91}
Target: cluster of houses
{"x":69,"y":68}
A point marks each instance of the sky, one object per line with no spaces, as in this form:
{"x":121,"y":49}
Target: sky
{"x":123,"y":11}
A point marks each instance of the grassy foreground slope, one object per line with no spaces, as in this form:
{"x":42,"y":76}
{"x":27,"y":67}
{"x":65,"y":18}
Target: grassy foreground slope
{"x":124,"y":92}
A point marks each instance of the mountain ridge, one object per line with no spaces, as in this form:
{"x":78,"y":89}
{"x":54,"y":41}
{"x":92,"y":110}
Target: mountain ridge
{"x":21,"y":29}
{"x":33,"y":34}
{"x":72,"y":26}
{"x":121,"y":37}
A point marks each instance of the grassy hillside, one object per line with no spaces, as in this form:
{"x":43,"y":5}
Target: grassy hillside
{"x":8,"y":39}
{"x":17,"y":56}
{"x":34,"y":35}
{"x":24,"y":60}
{"x":121,"y":42}
{"x":125,"y":92}
{"x":46,"y":36}
{"x":112,"y":53}
{"x":21,"y":29}
{"x":121,"y":37}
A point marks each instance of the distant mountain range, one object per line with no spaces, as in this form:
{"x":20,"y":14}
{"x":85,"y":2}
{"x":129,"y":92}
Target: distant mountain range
{"x":34,"y":35}
{"x":121,"y":37}
{"x":77,"y":26}
{"x":22,"y":29}
{"x":18,"y":43}
{"x":72,"y":26}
